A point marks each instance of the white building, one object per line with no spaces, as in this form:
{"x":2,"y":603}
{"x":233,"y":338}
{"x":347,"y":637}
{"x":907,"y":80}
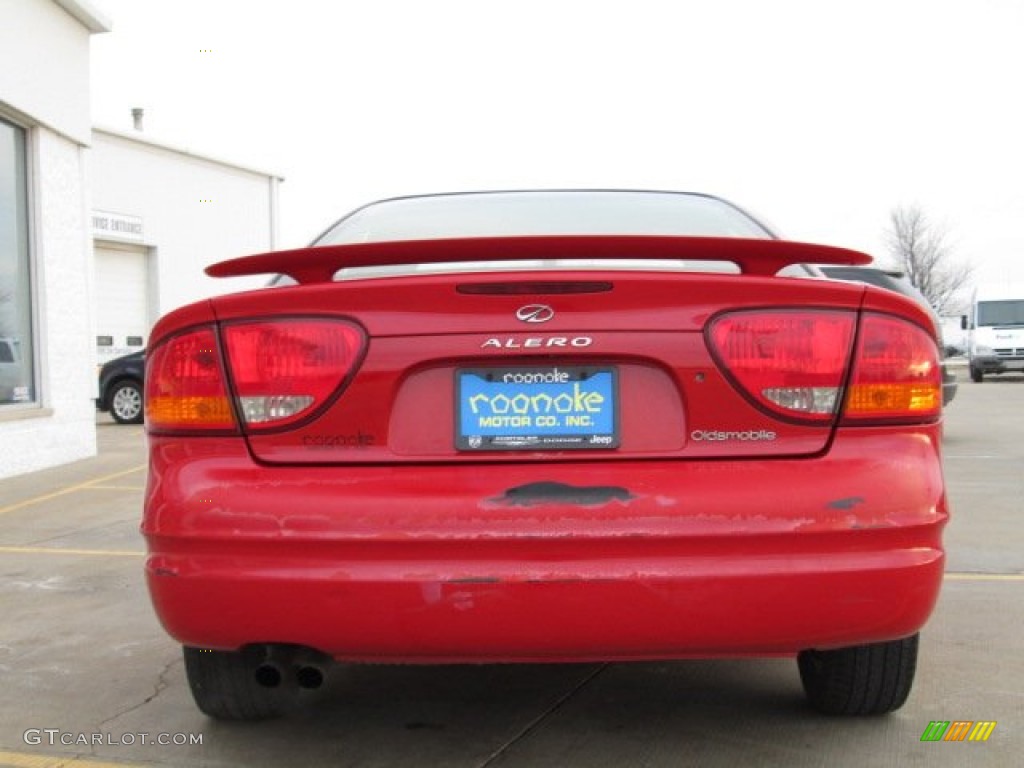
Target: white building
{"x":160,"y":214}
{"x":156,"y":215}
{"x":47,"y":372}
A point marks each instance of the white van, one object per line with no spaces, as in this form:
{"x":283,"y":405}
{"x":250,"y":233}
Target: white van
{"x":995,"y":342}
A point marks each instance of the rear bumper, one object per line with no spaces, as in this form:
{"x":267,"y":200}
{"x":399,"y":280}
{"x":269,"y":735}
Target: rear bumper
{"x":527,"y":562}
{"x":998,"y":364}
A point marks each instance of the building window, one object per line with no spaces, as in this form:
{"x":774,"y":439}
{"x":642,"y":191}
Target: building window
{"x":16,"y":352}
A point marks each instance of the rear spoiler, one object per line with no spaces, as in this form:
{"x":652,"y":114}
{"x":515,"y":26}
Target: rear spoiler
{"x":318,"y":264}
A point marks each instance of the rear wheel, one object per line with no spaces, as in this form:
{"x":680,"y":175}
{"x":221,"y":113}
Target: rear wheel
{"x":234,"y":685}
{"x":860,"y":680}
{"x":126,"y":402}
{"x":977,"y":375}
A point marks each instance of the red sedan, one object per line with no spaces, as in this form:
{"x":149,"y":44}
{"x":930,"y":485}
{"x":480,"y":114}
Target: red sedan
{"x":544,"y":427}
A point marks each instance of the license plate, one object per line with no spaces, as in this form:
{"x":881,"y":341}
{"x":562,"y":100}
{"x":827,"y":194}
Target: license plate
{"x":536,"y":408}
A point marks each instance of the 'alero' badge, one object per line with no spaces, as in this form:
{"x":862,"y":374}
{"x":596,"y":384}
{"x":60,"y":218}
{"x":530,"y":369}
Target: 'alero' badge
{"x":535,"y":313}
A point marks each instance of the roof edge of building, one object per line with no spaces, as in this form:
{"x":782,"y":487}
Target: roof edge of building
{"x":139,"y":138}
{"x":86,"y":14}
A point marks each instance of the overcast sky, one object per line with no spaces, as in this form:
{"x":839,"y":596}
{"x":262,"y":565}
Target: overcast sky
{"x":818,"y":116}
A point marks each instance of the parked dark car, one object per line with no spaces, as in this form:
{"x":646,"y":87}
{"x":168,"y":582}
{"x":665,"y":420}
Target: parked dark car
{"x":121,"y":386}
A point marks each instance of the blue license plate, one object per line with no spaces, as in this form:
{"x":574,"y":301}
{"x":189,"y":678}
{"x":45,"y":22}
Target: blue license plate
{"x":536,"y":408}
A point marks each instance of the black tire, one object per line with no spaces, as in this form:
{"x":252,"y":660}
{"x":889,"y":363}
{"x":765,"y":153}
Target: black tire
{"x":860,"y":680}
{"x":977,"y":375}
{"x":125,"y":401}
{"x":224,"y":686}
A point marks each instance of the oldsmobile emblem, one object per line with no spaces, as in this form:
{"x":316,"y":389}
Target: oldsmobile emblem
{"x":535,"y":313}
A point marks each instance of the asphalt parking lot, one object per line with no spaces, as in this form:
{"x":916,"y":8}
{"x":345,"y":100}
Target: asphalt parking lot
{"x":90,"y":679}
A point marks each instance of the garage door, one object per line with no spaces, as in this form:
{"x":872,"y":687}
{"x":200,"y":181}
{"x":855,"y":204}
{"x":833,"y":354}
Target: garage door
{"x":122,"y":300}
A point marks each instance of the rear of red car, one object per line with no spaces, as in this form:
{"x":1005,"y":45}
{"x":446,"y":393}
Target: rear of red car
{"x":545,"y":465}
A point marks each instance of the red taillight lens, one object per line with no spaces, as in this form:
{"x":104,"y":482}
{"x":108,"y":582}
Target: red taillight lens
{"x":790,"y":362}
{"x":896,"y":374}
{"x":185,"y":386}
{"x":283,"y":370}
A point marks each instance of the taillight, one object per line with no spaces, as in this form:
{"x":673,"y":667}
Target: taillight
{"x":283,"y":370}
{"x":896,"y":373}
{"x":185,"y":385}
{"x":794,"y":363}
{"x":790,"y":362}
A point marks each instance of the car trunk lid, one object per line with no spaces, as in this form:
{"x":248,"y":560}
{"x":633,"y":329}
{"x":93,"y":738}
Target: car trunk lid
{"x":449,"y":362}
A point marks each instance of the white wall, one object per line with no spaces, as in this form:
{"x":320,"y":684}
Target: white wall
{"x":64,"y":428}
{"x":195,"y":211}
{"x":44,"y":63}
{"x":44,"y":87}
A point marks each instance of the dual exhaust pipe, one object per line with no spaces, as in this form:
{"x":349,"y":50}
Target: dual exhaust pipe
{"x":270,"y":675}
{"x":284,"y":664}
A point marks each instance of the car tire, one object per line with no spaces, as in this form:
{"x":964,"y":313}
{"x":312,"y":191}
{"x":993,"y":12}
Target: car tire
{"x":860,"y":680}
{"x":224,"y":686}
{"x":977,"y":375}
{"x":126,"y":402}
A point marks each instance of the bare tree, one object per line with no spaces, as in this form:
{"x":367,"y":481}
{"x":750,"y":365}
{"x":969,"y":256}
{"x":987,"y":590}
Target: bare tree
{"x":922,"y":252}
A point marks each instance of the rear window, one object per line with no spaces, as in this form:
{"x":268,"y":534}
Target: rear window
{"x":533,"y":212}
{"x":510,"y":214}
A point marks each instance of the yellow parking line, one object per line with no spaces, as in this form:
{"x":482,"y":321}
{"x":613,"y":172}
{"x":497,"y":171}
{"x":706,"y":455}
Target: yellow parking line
{"x":985,"y":576}
{"x":62,"y":551}
{"x":114,"y":488}
{"x":23,"y":760}
{"x":69,"y":489}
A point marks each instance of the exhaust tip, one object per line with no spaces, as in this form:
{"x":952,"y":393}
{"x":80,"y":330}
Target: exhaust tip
{"x":309,"y":677}
{"x":268,"y":675}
